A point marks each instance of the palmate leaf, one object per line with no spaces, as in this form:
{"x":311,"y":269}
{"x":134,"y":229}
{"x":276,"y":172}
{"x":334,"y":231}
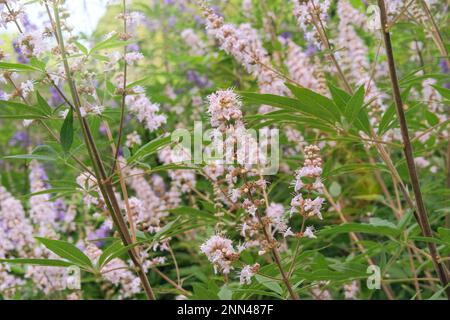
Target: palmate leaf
{"x":316,"y":104}
{"x":340,"y":97}
{"x":67,"y":251}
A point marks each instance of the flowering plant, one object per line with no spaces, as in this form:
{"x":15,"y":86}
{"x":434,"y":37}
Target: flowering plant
{"x":325,"y":154}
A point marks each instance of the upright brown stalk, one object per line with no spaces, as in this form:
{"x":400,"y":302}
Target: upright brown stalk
{"x":104,"y":183}
{"x":124,"y":89}
{"x":408,"y":151}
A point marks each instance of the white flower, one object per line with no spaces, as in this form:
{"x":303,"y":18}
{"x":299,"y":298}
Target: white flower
{"x":132,"y":57}
{"x":220,"y":252}
{"x":246,"y":274}
{"x":26,"y":87}
{"x":133,"y":139}
{"x":309,"y":232}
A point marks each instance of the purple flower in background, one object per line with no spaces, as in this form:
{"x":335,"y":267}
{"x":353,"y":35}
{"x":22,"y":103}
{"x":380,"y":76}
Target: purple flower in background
{"x":102,"y":130}
{"x":216,"y":10}
{"x":20,"y":138}
{"x":3,"y":95}
{"x":311,"y":49}
{"x":199,"y":21}
{"x":286,"y":35}
{"x":56,"y":98}
{"x":102,"y":232}
{"x":20,"y":57}
{"x":133,"y":47}
{"x":365,"y":2}
{"x":169,"y":2}
{"x":27,"y":24}
{"x":197,"y":79}
{"x":60,"y":208}
{"x":171,"y":22}
{"x":445,"y":69}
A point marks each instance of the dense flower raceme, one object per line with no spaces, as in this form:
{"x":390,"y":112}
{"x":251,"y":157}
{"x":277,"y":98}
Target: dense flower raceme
{"x":244,"y":44}
{"x":354,"y":58}
{"x":311,"y":15}
{"x":248,"y":189}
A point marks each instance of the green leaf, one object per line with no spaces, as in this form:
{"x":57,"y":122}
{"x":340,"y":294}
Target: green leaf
{"x":340,"y":97}
{"x":192,"y":212}
{"x":269,"y":284}
{"x":386,"y":119}
{"x":43,"y":104}
{"x":322,"y":106}
{"x":362,"y":228}
{"x":17,"y":67}
{"x":39,"y":157}
{"x":39,"y":262}
{"x":225,"y":293}
{"x":270,"y":99}
{"x":443,"y":91}
{"x":66,"y":133}
{"x":149,"y":149}
{"x":354,"y":105}
{"x":81,"y":47}
{"x":107,"y":252}
{"x":16,"y":110}
{"x":67,"y":251}
{"x":39,"y":64}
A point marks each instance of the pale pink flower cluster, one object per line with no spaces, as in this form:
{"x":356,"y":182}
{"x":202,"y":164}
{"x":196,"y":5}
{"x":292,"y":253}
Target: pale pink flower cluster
{"x":145,"y":111}
{"x":246,"y":274}
{"x":276,"y":213}
{"x":16,"y":232}
{"x":247,"y":8}
{"x":16,"y":12}
{"x":133,"y":139}
{"x":88,"y":184}
{"x":351,"y":290}
{"x":47,"y":279}
{"x":231,"y":143}
{"x":433,"y":98}
{"x":347,"y":12}
{"x":220,"y":252}
{"x":26,"y":88}
{"x":149,"y":206}
{"x":117,"y":272}
{"x":132,"y":57}
{"x":300,"y":68}
{"x":32,"y":44}
{"x":244,"y":44}
{"x":194,"y":42}
{"x":308,"y":13}
{"x":16,"y":236}
{"x":308,"y":181}
{"x":182,"y":180}
{"x":354,"y":62}
{"x":42,"y":210}
{"x":224,"y":107}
